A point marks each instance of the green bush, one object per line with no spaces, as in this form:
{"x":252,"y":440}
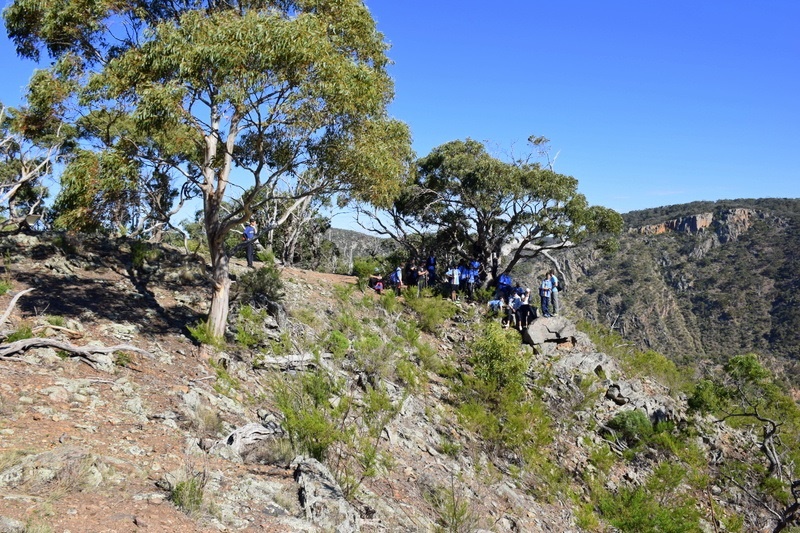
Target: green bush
{"x":142,"y":252}
{"x":5,"y":286}
{"x":497,"y":357}
{"x":432,"y":312}
{"x":638,"y":510}
{"x":337,"y":343}
{"x":188,"y":495}
{"x":249,"y":326}
{"x":262,"y":286}
{"x":363,"y":268}
{"x":201,"y":333}
{"x":633,"y":426}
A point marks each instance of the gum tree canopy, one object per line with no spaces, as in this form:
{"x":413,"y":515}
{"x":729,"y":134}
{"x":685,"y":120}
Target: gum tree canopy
{"x":282,"y":91}
{"x":465,"y":201}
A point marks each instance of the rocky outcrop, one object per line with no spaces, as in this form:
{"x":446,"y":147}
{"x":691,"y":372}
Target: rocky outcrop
{"x":322,"y":499}
{"x":690,"y":224}
{"x":727,"y":224}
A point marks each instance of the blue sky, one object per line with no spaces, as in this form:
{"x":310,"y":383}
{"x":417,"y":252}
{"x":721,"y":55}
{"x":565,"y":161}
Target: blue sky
{"x":646,"y":103}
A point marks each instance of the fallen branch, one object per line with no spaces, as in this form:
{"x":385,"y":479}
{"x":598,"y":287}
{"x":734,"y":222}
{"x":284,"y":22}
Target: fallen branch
{"x":84,"y":353}
{"x":70,"y":332}
{"x":12,"y":304}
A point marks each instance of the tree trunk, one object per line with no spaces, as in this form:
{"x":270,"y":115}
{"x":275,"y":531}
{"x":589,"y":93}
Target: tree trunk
{"x":218,"y":315}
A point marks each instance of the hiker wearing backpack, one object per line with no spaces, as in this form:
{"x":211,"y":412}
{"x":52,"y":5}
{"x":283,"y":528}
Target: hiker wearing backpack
{"x":430,"y":266}
{"x":396,"y":280}
{"x":504,"y":286}
{"x":553,"y":293}
{"x":545,"y":290}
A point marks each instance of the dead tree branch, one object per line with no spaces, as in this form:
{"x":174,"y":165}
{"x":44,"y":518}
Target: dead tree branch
{"x":12,"y":304}
{"x":84,"y":353}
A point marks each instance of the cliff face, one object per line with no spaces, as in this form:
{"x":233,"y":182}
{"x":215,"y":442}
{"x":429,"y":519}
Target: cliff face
{"x":728,"y":224}
{"x":711,"y":284}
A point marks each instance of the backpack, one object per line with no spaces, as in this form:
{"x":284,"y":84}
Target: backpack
{"x":505,"y":279}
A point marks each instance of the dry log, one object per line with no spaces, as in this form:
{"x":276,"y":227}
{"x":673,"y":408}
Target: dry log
{"x":84,"y":353}
{"x":12,"y":304}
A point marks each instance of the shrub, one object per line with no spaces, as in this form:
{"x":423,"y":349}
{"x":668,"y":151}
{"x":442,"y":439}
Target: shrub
{"x":200,"y":333}
{"x":187,"y":495}
{"x":142,"y":252}
{"x":5,"y":286}
{"x":337,"y":344}
{"x":59,"y":321}
{"x":262,"y":286}
{"x":497,"y":358}
{"x":633,"y":426}
{"x":363,"y":268}
{"x":432,"y":312}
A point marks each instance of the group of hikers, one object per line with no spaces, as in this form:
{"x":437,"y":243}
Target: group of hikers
{"x":515,"y":302}
{"x":511,"y":300}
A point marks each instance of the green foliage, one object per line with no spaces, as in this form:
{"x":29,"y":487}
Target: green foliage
{"x":497,"y":359}
{"x":432,"y":312}
{"x":323,"y":421}
{"x":201,"y":333}
{"x":649,"y":364}
{"x":5,"y":286}
{"x":55,"y":320}
{"x":142,"y":252}
{"x":23,"y":332}
{"x":643,"y":510}
{"x":389,"y":301}
{"x":363,"y":268}
{"x":122,"y":359}
{"x":249,"y":326}
{"x":632,"y":426}
{"x":494,"y":401}
{"x":225,"y":384}
{"x":262,"y":286}
{"x":187,"y":495}
{"x":409,"y":374}
{"x":707,"y":397}
{"x":337,"y":343}
{"x":452,"y":508}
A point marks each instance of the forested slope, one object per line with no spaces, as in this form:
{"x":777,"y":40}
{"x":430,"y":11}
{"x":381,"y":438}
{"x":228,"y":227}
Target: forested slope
{"x":700,"y":280}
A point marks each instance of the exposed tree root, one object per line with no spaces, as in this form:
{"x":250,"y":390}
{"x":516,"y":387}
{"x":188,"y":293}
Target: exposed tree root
{"x":84,"y":353}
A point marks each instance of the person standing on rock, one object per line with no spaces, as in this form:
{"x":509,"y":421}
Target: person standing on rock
{"x":545,"y":290}
{"x":553,"y":293}
{"x":250,"y":237}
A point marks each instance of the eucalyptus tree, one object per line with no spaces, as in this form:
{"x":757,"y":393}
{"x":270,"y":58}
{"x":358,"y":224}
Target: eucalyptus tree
{"x":28,"y":153}
{"x":469,"y":203}
{"x":250,"y":95}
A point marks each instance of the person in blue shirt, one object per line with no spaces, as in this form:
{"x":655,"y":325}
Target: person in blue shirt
{"x":545,"y":290}
{"x":504,"y":287}
{"x":250,"y":238}
{"x":430,"y":266}
{"x":553,"y":293}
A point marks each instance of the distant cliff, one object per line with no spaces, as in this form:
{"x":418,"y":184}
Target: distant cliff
{"x":706,"y":280}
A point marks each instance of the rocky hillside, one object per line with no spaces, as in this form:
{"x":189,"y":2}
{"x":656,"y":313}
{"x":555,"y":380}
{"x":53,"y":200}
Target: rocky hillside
{"x":412,"y":414}
{"x":703,"y":280}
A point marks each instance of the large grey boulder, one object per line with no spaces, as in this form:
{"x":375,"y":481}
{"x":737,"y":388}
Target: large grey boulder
{"x":322,"y":499}
{"x":549,"y":334}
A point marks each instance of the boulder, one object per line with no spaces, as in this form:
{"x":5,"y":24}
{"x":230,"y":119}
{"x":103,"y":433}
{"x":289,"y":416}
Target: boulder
{"x":322,"y":499}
